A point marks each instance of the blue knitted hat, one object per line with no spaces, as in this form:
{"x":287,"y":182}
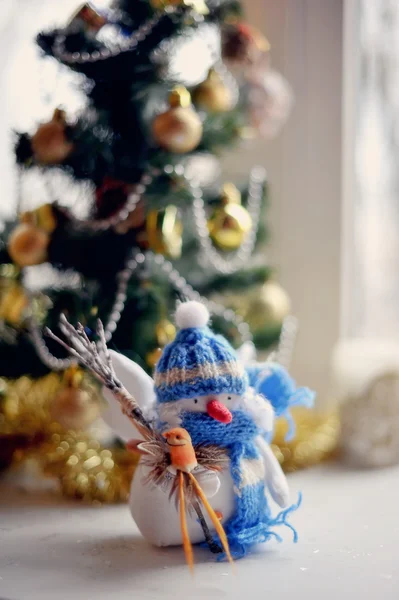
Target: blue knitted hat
{"x":197,"y":362}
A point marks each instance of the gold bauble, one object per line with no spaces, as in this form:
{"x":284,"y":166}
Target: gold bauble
{"x":164,"y":231}
{"x":165,"y":332}
{"x":213,"y":95}
{"x":50,"y":144}
{"x":153,"y":357}
{"x":267,"y":304}
{"x":198,"y":5}
{"x":13,"y":304}
{"x":179,"y":129}
{"x":42,"y":217}
{"x":230,"y":223}
{"x":27,"y":245}
{"x":74,"y":408}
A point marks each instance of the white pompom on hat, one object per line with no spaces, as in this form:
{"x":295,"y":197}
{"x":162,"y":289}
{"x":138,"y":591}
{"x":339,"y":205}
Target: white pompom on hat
{"x":191,"y":314}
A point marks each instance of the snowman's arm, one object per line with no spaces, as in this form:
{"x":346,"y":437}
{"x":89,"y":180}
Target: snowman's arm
{"x":139,"y":384}
{"x":275,"y":478}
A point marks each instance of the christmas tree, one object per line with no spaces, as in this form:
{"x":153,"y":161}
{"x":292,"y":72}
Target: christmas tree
{"x":170,"y":85}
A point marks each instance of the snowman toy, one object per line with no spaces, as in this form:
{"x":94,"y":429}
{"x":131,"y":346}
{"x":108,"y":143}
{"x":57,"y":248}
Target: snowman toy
{"x":199,"y":384}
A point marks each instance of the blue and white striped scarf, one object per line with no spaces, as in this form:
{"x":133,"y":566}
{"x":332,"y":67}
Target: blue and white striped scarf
{"x":252,"y":521}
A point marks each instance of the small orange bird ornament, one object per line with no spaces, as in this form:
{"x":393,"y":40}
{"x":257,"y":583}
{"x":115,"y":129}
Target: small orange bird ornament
{"x":182,"y":453}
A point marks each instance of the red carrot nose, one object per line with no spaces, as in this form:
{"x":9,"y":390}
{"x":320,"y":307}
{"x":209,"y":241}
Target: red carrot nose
{"x":219,"y":411}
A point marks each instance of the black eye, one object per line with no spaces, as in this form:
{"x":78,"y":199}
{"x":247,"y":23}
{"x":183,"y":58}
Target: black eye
{"x":178,"y":437}
{"x":228,"y":397}
{"x":195,"y":401}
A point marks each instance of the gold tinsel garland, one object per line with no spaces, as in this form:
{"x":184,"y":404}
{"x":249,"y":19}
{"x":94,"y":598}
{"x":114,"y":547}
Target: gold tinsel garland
{"x":87,"y":470}
{"x":83,"y":467}
{"x":315,"y":440}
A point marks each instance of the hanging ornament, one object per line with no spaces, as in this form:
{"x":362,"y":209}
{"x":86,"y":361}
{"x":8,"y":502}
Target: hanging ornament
{"x":74,"y":407}
{"x":198,"y":5}
{"x":165,"y":332}
{"x":13,"y":304}
{"x":270,"y":100}
{"x":110,"y":196}
{"x":242,"y":44}
{"x":179,"y":129}
{"x":27,"y":245}
{"x":50,"y":144}
{"x":42,"y":217}
{"x":164,"y":231}
{"x":230,"y":223}
{"x":86,"y":19}
{"x":153,"y":357}
{"x":213,"y":95}
{"x":28,"y":242}
{"x":267,"y":305}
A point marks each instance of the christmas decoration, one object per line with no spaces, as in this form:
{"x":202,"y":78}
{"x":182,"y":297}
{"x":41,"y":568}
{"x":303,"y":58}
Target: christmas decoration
{"x":13,"y":303}
{"x":266,"y":305}
{"x":173,"y":463}
{"x":153,"y":357}
{"x":28,"y":242}
{"x":74,"y":407}
{"x":86,"y":18}
{"x":213,"y":95}
{"x":110,"y":196}
{"x":201,"y":387}
{"x":179,"y":129}
{"x":270,"y":100}
{"x":50,"y":144}
{"x":86,"y":470}
{"x":165,"y":333}
{"x":27,"y":245}
{"x":229,"y":224}
{"x":42,"y":217}
{"x":77,"y":460}
{"x":242,"y":44}
{"x":164,"y":231}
